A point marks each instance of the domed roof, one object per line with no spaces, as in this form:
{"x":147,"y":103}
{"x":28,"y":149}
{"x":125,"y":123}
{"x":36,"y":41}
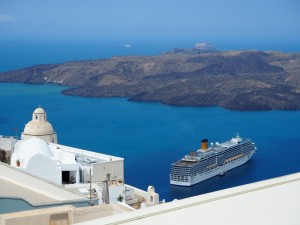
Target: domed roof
{"x":39,"y":110}
{"x":38,"y":128}
{"x":32,"y":147}
{"x":39,"y":124}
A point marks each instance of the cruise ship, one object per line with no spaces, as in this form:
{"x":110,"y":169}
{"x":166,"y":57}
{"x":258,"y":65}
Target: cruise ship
{"x":210,"y":161}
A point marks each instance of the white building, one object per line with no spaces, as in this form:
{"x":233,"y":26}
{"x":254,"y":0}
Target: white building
{"x":39,"y":154}
{"x":65,"y":165}
{"x":6,"y":146}
{"x":35,"y":157}
{"x":81,"y":171}
{"x":39,"y":127}
{"x":95,"y":176}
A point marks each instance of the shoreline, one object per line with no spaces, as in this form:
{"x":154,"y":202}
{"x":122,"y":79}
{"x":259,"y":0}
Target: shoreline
{"x":234,"y":80}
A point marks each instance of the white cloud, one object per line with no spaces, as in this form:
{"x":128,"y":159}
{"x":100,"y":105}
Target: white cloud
{"x":4,"y":18}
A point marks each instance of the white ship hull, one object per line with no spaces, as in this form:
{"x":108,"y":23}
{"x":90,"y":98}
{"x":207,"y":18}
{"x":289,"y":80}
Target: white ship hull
{"x":220,"y":170}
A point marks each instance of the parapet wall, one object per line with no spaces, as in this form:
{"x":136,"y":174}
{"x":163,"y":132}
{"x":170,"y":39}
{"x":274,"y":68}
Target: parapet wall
{"x":37,"y":185}
{"x":61,"y":215}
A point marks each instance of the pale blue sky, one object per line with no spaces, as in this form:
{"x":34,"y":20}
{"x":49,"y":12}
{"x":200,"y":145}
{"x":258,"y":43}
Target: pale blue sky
{"x":156,"y":19}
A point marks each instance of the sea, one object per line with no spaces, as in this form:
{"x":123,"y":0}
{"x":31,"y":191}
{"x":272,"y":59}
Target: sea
{"x":149,"y":136}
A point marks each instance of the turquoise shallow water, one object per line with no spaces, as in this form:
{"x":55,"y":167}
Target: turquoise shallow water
{"x":150,"y":135}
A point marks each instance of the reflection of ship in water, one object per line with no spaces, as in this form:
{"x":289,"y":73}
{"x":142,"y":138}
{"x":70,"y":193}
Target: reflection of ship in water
{"x":210,"y":161}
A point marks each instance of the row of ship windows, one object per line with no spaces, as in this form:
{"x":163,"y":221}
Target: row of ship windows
{"x":240,"y":148}
{"x":179,"y":173}
{"x":230,"y":154}
{"x":181,"y":168}
{"x":203,"y":166}
{"x":214,"y":166}
{"x":185,"y":170}
{"x":179,"y":178}
{"x":246,"y":147}
{"x":233,"y":155}
{"x":233,"y":159}
{"x":234,"y":150}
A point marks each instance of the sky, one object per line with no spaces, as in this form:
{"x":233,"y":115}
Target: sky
{"x":151,"y":20}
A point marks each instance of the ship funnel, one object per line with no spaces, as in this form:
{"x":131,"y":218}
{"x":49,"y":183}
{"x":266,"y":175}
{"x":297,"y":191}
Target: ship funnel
{"x":204,"y":144}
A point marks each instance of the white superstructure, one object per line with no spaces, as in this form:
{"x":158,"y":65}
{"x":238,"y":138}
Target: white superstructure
{"x":211,"y":161}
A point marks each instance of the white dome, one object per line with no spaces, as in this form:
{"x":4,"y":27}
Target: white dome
{"x":32,"y":147}
{"x":36,"y":157}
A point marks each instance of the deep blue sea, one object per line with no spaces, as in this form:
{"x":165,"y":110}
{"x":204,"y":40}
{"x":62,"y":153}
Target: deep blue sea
{"x":150,"y":136}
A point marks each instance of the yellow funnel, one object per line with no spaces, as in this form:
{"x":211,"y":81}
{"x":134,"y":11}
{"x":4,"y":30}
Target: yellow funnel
{"x":204,"y":144}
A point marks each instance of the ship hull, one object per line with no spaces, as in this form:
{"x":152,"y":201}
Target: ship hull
{"x":220,"y":170}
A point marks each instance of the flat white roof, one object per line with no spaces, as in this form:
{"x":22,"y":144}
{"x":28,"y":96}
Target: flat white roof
{"x":275,"y":201}
{"x":99,"y":157}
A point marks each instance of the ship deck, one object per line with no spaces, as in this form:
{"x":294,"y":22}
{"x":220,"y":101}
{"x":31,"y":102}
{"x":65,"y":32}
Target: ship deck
{"x":184,"y":163}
